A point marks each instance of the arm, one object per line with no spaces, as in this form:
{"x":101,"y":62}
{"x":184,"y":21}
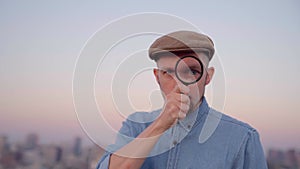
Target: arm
{"x":134,"y":153}
{"x":251,"y":155}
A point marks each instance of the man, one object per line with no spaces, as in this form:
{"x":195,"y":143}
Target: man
{"x":173,"y":137}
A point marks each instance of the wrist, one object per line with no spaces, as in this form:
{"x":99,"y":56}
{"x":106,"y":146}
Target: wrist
{"x":159,"y":127}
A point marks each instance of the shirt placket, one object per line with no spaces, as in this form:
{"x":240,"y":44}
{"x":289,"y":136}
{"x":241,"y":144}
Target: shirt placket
{"x":179,"y":131}
{"x":175,"y":147}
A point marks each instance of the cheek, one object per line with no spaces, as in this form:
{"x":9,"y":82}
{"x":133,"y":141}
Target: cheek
{"x":197,"y":91}
{"x":167,"y":87}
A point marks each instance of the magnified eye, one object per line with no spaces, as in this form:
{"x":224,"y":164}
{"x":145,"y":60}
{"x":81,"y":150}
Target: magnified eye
{"x":194,"y":72}
{"x":191,"y":72}
{"x":189,"y":69}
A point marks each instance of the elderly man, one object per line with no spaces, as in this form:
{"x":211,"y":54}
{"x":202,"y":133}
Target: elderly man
{"x":172,"y":137}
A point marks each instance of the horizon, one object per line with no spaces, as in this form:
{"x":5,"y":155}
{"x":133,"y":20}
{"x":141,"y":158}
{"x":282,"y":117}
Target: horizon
{"x":86,"y":141}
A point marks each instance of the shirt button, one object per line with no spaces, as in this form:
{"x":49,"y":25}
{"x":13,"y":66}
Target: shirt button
{"x":189,"y":126}
{"x":174,"y":142}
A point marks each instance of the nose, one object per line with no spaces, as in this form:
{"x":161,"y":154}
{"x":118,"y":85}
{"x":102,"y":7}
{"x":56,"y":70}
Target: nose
{"x":178,"y":85}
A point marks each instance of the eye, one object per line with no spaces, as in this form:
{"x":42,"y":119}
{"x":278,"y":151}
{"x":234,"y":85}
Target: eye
{"x":169,"y":71}
{"x":194,"y":72}
{"x":191,"y":72}
{"x":164,"y":72}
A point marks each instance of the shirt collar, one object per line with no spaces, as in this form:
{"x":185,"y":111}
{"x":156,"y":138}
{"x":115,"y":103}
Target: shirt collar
{"x":188,"y":122}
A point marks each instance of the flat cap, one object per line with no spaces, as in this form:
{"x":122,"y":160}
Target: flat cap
{"x":182,"y":41}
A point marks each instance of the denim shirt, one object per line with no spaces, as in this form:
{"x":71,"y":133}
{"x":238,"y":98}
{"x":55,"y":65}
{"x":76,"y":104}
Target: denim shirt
{"x":231,"y":145}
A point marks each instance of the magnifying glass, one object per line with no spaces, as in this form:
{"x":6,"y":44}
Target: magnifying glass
{"x":189,"y":70}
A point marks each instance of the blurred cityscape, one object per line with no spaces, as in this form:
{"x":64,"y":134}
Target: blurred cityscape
{"x":278,"y":159}
{"x":30,"y":154}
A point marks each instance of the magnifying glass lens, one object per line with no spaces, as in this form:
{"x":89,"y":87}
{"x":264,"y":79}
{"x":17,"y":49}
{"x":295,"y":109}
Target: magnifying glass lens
{"x":189,"y":70}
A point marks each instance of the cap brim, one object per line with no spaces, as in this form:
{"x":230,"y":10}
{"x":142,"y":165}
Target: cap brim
{"x":156,"y":54}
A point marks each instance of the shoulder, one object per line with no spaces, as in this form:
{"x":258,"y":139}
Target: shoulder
{"x":234,"y":130}
{"x":234,"y":123}
{"x":144,"y":117}
{"x":238,"y":134}
{"x":139,"y":121}
{"x":231,"y":123}
{"x":245,"y":143}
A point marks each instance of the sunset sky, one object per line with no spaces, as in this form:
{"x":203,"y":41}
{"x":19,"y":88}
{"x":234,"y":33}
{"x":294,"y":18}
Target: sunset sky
{"x":257,"y":44}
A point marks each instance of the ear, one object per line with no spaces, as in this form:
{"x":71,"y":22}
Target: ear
{"x":156,"y":74}
{"x":210,"y":74}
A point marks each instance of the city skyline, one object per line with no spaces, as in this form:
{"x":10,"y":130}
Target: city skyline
{"x":30,"y":153}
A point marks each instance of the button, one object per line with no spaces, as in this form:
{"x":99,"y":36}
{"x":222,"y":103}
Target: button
{"x":174,"y":142}
{"x":189,"y":126}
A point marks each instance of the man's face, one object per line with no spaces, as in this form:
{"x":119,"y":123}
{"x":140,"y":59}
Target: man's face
{"x":168,"y":81}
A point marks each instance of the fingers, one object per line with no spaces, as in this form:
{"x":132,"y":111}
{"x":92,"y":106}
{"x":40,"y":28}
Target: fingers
{"x":177,"y":105}
{"x":181,"y":95}
{"x":182,"y":104}
{"x":181,"y":115}
{"x":183,"y":110}
{"x":183,"y":98}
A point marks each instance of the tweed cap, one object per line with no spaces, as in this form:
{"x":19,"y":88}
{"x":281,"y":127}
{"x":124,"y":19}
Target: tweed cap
{"x":182,"y":41}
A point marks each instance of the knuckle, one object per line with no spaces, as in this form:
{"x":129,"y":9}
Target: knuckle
{"x":184,"y":97}
{"x":174,"y":116}
{"x":184,"y":107}
{"x":182,"y":115}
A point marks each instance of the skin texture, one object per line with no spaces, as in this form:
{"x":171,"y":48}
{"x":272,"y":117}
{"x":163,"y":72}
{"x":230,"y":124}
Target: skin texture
{"x":179,"y":101}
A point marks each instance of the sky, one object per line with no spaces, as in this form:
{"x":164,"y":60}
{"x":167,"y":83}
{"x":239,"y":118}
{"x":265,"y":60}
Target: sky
{"x":257,"y":44}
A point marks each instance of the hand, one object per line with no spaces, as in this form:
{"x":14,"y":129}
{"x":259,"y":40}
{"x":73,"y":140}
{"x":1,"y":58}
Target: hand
{"x":177,"y":105}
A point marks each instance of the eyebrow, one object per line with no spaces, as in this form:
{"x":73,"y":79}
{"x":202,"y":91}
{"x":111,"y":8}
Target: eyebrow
{"x":194,"y":67}
{"x":166,"y":68}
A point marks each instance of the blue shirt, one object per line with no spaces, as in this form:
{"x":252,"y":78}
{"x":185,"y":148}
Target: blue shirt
{"x":205,"y":139}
